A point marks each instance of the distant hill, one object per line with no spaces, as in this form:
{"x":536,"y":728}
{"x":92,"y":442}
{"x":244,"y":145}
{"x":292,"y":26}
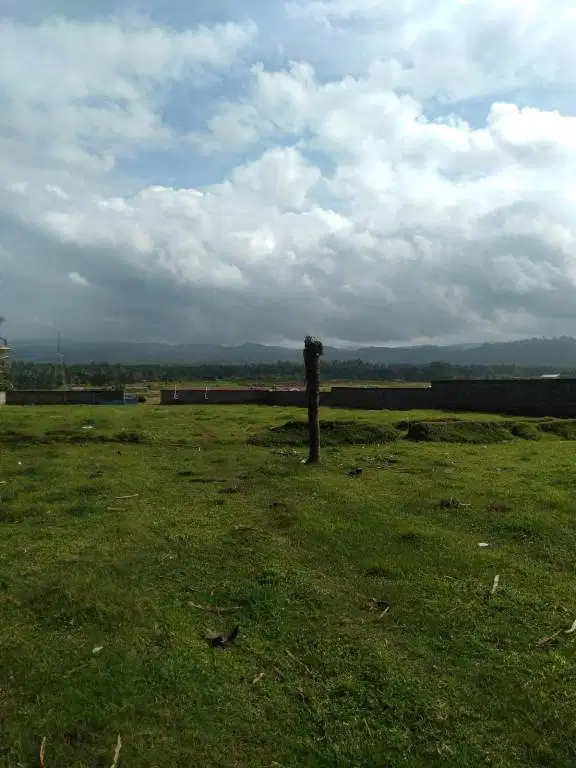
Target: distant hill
{"x":554,"y":353}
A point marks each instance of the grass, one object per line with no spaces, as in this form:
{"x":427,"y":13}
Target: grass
{"x":368,"y":632}
{"x":334,"y":433}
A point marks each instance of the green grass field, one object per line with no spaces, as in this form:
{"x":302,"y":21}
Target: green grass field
{"x":373,"y":631}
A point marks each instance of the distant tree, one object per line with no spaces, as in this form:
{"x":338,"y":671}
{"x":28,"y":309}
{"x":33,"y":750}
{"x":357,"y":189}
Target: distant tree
{"x":313,"y":350}
{"x":29,"y":375}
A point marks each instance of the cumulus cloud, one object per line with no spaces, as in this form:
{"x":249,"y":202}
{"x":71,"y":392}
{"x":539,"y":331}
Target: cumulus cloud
{"x":371,"y":172}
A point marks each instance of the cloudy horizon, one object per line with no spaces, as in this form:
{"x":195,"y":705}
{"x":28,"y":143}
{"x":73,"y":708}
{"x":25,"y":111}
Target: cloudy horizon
{"x":374,"y":173}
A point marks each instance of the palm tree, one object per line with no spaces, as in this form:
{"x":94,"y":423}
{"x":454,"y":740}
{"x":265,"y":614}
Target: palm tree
{"x":313,"y":351}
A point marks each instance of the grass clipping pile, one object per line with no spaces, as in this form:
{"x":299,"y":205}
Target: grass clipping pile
{"x":449,"y":430}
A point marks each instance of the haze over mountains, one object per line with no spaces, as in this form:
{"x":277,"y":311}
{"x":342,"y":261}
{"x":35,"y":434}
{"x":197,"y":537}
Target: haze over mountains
{"x":557,"y":353}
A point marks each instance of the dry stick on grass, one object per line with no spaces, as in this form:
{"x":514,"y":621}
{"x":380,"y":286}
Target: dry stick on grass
{"x":258,"y":678}
{"x":549,"y":638}
{"x":495,"y":584}
{"x":297,"y":660}
{"x":572,"y":629}
{"x":117,"y":752}
{"x":130,"y":496}
{"x":42,"y":753}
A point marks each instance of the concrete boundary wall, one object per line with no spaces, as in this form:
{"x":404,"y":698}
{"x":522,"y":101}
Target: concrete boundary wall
{"x":523,"y":397}
{"x":378,"y":398}
{"x":213,"y":396}
{"x":374,"y":398}
{"x":64,"y":397}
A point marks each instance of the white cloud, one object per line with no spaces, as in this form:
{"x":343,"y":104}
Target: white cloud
{"x":355,"y":205}
{"x":77,"y":94}
{"x":77,"y":279}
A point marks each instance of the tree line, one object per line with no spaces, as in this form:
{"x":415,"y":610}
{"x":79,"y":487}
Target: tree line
{"x":27,"y":375}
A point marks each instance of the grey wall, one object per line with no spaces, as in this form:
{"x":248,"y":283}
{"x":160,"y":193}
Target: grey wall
{"x":377,"y":398}
{"x":63,"y":397}
{"x":524,"y":397}
{"x":212,"y":397}
{"x":529,"y":397}
{"x":397,"y":398}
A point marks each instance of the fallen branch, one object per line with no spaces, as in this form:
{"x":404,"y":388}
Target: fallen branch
{"x":130,"y":496}
{"x":258,"y":678}
{"x":548,"y":638}
{"x":42,"y":753}
{"x":117,"y":752}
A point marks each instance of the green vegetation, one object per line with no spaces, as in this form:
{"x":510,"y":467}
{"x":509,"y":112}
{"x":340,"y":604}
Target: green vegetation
{"x":29,"y":375}
{"x":482,"y":431}
{"x":340,"y":432}
{"x":459,"y":431}
{"x":372,"y":629}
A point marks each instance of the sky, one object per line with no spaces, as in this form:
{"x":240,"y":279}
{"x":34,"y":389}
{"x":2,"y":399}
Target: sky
{"x":371,"y":172}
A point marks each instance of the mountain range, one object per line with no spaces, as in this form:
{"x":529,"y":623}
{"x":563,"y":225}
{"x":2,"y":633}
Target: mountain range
{"x":557,"y":353}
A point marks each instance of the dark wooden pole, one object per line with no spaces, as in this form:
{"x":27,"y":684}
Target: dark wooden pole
{"x":313,"y":351}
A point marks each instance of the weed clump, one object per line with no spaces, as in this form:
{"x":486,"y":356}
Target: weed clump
{"x":526,"y":431}
{"x":333,"y":433}
{"x":475,"y":432}
{"x":565,"y":429}
{"x":126,"y":436}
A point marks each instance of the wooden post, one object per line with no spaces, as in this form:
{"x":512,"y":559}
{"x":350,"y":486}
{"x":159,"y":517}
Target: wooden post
{"x":313,"y":350}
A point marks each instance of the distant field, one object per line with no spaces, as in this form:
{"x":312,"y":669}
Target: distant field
{"x":373,"y":630}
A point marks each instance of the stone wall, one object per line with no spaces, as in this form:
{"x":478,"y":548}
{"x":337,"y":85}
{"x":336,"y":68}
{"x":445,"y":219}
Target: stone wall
{"x":528,"y":397}
{"x":280,"y":397}
{"x":378,"y":398}
{"x":375,"y":398}
{"x":213,"y":396}
{"x":523,"y":397}
{"x":290,"y":398}
{"x":64,"y":397}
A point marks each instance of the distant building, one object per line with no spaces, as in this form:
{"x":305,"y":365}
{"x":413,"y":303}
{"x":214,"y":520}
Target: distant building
{"x":550,"y":376}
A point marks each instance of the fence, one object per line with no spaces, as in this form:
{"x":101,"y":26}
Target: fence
{"x":375,"y":398}
{"x":64,"y":397}
{"x":527,"y":397}
{"x":522,"y":397}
